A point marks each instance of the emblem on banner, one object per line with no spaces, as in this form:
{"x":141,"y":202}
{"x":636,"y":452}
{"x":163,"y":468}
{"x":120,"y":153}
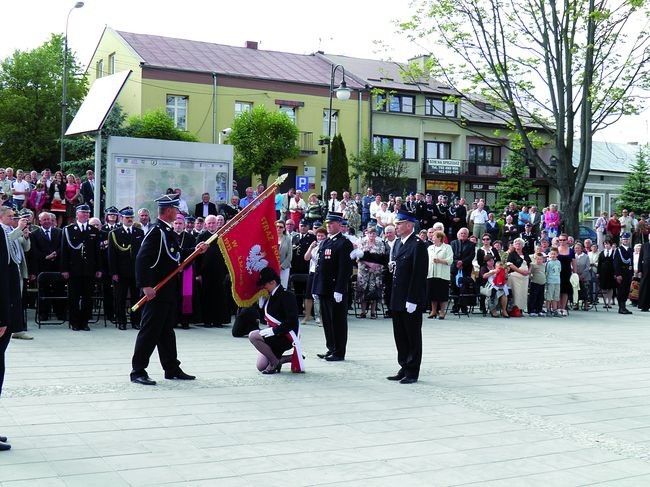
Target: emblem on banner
{"x":255,"y":261}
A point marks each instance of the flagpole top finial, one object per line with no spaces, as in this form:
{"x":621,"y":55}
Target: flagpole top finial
{"x":281,"y":178}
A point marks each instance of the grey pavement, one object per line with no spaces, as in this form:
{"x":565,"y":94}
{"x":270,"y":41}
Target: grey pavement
{"x":518,"y":402}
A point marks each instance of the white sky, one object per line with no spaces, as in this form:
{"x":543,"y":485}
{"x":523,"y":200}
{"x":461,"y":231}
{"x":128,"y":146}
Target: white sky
{"x":348,"y":27}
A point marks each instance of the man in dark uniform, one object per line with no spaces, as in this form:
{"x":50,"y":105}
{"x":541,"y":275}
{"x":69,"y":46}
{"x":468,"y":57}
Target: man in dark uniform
{"x":159,"y":255}
{"x":111,"y":217}
{"x":408,"y":298}
{"x":421,"y":211}
{"x":299,"y":266}
{"x":123,"y":245}
{"x":457,"y":219}
{"x":281,"y":314}
{"x":331,"y":280}
{"x":81,"y":266}
{"x":644,"y":269}
{"x":442,"y":210}
{"x":623,"y":272}
{"x":44,"y":257}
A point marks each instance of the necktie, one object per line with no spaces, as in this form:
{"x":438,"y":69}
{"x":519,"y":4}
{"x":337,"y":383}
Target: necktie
{"x":47,"y":234}
{"x":332,"y":206}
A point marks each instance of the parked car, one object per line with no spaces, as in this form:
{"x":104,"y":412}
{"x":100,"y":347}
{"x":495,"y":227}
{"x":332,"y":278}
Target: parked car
{"x":587,"y":232}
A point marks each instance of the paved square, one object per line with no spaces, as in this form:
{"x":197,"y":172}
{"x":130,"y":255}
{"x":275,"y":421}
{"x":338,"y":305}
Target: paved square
{"x":518,"y":402}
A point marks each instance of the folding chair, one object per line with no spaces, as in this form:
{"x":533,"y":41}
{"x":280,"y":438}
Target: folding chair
{"x":52,"y":290}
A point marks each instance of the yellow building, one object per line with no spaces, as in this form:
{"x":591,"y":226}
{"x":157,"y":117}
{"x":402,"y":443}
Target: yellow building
{"x":203,"y":86}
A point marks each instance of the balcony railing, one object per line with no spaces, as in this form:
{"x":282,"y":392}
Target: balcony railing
{"x":437,"y":167}
{"x":305,"y":143}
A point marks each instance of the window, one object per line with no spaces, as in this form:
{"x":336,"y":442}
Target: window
{"x":177,"y":110}
{"x":395,"y":103}
{"x":592,"y":205}
{"x":437,"y":150}
{"x":613,"y":203}
{"x":242,"y":107}
{"x":407,"y":148}
{"x":335,"y":122}
{"x":484,"y":154}
{"x":290,"y":111}
{"x":99,"y":69}
{"x":438,"y":108}
{"x":111,"y":63}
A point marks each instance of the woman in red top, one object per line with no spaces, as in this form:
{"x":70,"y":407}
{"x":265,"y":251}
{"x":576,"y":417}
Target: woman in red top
{"x":71,"y":197}
{"x":614,"y":229}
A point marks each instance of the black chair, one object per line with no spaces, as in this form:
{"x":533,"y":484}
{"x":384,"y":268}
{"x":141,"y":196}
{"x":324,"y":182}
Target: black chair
{"x":52,"y":295}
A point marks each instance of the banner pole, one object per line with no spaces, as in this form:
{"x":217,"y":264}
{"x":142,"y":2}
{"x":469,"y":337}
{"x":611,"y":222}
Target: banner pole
{"x":230,"y":223}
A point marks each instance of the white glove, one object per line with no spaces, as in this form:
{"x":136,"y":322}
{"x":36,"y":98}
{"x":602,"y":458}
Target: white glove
{"x":338,"y":297}
{"x":267,"y":332}
{"x":356,"y":254}
{"x":410,"y":307}
{"x":314,"y":297}
{"x":261,"y":301}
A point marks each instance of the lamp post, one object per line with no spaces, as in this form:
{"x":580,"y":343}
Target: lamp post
{"x":343,"y":94}
{"x":64,"y":98}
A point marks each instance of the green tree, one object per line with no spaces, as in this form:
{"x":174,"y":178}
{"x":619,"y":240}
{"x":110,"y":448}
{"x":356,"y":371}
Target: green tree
{"x":156,"y":124}
{"x":339,"y":180}
{"x":380,"y":167}
{"x":516,"y":186}
{"x":30,"y":104}
{"x":636,"y":190}
{"x":566,"y":69}
{"x":262,"y":140}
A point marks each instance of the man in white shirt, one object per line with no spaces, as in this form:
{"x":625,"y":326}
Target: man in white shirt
{"x":333,"y":204}
{"x":626,"y":222}
{"x":477,"y":219}
{"x":375,"y":206}
{"x":20,"y":190}
{"x":182,"y":204}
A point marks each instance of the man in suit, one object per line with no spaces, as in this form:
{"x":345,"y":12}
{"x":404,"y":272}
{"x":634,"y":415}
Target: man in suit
{"x":87,"y":189}
{"x":281,"y":314}
{"x":123,"y":245}
{"x":408,"y":296}
{"x":81,"y":266}
{"x":211,"y":269}
{"x":464,"y":251}
{"x":331,"y":279}
{"x":644,"y":269}
{"x":623,"y":272}
{"x":44,"y":257}
{"x":205,"y":207}
{"x":299,"y":266}
{"x":159,"y":255}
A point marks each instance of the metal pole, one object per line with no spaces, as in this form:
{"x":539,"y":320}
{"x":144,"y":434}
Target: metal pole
{"x":97,"y":197}
{"x":329,"y":135}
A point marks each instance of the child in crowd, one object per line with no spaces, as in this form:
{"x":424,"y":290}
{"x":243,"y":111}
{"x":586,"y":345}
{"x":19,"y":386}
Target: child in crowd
{"x":553,"y":269}
{"x":537,"y":281}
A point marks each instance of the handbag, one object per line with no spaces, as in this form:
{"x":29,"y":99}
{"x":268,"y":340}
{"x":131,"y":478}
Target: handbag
{"x":486,"y":290}
{"x":635,"y":287}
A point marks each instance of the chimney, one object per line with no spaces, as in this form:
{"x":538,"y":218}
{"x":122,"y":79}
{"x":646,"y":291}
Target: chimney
{"x":251,"y":45}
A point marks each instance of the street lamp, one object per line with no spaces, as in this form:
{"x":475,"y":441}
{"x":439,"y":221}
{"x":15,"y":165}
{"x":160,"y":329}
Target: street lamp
{"x":64,"y":99}
{"x":343,"y":94}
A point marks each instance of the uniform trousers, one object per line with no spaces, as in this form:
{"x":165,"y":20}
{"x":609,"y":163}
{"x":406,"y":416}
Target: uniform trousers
{"x":407,"y":330}
{"x":4,"y":343}
{"x":335,"y":323}
{"x":126,"y":286}
{"x":80,"y":299}
{"x":156,"y":330}
{"x":623,"y":289}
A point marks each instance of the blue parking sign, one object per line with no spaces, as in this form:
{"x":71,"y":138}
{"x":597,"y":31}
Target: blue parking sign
{"x":302,"y":183}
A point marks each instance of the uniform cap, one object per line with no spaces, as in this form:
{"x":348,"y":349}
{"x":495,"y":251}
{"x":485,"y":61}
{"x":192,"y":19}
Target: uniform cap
{"x":127,"y":211}
{"x":333,"y":216}
{"x":111,"y":210}
{"x":404,"y":216}
{"x":168,"y":200}
{"x":85,"y":208}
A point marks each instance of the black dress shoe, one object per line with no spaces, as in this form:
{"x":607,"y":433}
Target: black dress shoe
{"x":179,"y":375}
{"x":4,"y":446}
{"x":408,"y":380}
{"x":3,"y":439}
{"x":397,"y":376}
{"x":334,"y":358}
{"x":273,"y":370}
{"x":217,"y":325}
{"x":121,"y":327}
{"x":76,"y":328}
{"x":624,"y":311}
{"x":144,"y":380}
{"x":323,"y":355}
{"x":85,"y":328}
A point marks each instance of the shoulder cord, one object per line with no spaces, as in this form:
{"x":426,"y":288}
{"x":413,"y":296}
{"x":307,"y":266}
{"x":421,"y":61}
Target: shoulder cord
{"x":119,"y":247}
{"x":67,"y":237}
{"x":163,"y":239}
{"x":625,"y":261}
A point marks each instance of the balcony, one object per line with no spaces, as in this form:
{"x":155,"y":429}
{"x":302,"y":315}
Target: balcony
{"x":305,"y":143}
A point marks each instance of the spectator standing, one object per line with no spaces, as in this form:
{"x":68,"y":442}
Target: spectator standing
{"x":87,"y":189}
{"x":614,"y":229}
{"x":537,"y":276}
{"x":552,"y":221}
{"x":605,"y":273}
{"x":478,"y":219}
{"x":566,"y":256}
{"x":284,"y":244}
{"x":365,"y":207}
{"x":518,"y":263}
{"x":297,"y":209}
{"x":369,"y":289}
{"x":440,"y":257}
{"x":20,"y":190}
{"x":601,"y":228}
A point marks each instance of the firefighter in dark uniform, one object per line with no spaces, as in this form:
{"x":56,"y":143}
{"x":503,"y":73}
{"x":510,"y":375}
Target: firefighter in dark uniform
{"x":333,"y":271}
{"x":623,"y":272}
{"x":123,"y":245}
{"x":159,"y":255}
{"x":111,"y":217}
{"x":81,"y":266}
{"x":408,"y":298}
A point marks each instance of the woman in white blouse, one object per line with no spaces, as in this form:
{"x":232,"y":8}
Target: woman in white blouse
{"x":440,"y":258}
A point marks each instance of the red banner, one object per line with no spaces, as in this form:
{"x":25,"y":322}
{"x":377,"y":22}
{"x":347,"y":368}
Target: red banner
{"x":249,"y":246}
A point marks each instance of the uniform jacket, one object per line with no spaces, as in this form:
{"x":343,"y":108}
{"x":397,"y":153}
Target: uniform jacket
{"x":122,"y":251}
{"x":282,"y":306}
{"x":334,"y":266}
{"x":80,"y":251}
{"x":623,"y":259}
{"x":410,"y":274}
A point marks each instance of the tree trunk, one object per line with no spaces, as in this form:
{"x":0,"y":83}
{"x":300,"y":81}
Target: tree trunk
{"x":570,"y":207}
